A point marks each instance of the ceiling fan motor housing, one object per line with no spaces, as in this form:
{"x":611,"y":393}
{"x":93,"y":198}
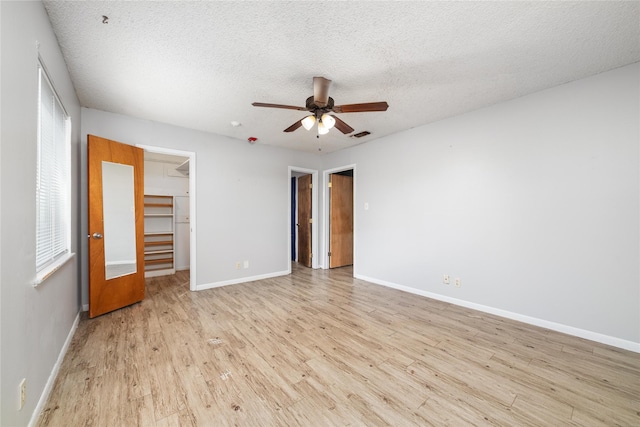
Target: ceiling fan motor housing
{"x":311,"y":106}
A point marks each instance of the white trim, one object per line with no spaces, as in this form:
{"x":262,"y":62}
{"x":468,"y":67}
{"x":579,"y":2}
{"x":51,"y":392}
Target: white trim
{"x":315,"y":247}
{"x":123,"y":262}
{"x":558,"y":327}
{"x":326,"y":217}
{"x":48,"y":271}
{"x":192,"y":205}
{"x":242,"y":280}
{"x":54,"y":374}
{"x":50,"y":81}
{"x":160,"y":272}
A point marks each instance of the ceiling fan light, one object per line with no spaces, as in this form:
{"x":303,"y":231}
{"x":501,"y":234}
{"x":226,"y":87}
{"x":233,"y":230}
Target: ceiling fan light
{"x":328,"y":121}
{"x":322,"y":129}
{"x":308,"y":122}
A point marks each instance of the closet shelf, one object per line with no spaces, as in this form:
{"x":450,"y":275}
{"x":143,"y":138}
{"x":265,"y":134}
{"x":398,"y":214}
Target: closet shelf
{"x":159,"y":261}
{"x":159,"y":251}
{"x":159,"y":243}
{"x":184,"y":168}
{"x":159,"y":238}
{"x":156,"y":270}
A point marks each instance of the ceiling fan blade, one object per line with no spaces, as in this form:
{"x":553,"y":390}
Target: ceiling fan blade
{"x":288,"y":107}
{"x":342,"y":126}
{"x":321,"y":91}
{"x":294,"y":126}
{"x":361,"y":108}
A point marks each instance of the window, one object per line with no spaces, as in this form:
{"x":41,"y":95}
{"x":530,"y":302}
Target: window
{"x":52,"y":180}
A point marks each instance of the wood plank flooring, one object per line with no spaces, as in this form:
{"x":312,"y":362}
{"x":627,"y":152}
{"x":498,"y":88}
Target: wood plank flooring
{"x":320,"y":348}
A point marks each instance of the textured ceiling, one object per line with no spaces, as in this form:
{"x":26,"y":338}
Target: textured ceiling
{"x":200,"y":65}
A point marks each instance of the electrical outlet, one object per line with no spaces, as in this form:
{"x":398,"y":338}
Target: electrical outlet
{"x":238,"y":265}
{"x":446,"y":279}
{"x":458,"y":282}
{"x":246,"y":264}
{"x":23,"y":393}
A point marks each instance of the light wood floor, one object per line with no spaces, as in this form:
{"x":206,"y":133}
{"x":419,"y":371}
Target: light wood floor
{"x":319,"y":348}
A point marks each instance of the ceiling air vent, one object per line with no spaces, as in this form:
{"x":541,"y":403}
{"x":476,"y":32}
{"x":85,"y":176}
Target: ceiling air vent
{"x":361,"y":134}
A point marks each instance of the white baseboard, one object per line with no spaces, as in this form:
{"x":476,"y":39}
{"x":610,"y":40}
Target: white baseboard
{"x":241,"y":280}
{"x":54,"y":374}
{"x":558,"y":327}
{"x":162,"y":272}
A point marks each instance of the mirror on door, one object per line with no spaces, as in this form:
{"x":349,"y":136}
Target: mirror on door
{"x":119,"y":220}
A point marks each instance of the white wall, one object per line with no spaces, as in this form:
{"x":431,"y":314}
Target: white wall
{"x":1,"y":393}
{"x":533,"y":203}
{"x":35,"y":321}
{"x":158,"y":181}
{"x":242,"y":195}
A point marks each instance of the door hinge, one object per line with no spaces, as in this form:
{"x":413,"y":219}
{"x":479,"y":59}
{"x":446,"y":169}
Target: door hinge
{"x":310,"y":220}
{"x":310,"y":255}
{"x":329,"y":253}
{"x":329,"y":185}
{"x":311,"y":185}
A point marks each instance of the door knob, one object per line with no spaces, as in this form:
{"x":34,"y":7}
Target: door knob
{"x":97,"y":236}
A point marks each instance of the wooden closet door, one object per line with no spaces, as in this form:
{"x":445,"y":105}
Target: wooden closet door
{"x":341,"y":221}
{"x":304,"y":220}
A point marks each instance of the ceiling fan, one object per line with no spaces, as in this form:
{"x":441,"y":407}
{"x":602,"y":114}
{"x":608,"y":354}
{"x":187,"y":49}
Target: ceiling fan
{"x":321,"y":105}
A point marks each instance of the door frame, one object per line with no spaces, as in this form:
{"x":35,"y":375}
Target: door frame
{"x":192,"y":204}
{"x":326,"y":217}
{"x":315,"y":260}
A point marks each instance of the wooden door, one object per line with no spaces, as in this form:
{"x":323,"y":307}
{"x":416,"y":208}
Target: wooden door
{"x":108,"y":288}
{"x":304,"y":220}
{"x":340,"y":221}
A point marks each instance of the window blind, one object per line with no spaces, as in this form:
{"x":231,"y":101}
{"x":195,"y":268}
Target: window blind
{"x":52,"y":176}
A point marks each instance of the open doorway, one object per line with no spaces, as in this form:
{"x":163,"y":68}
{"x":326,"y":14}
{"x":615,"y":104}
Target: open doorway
{"x":169,"y":212}
{"x":303,"y":241}
{"x":339,"y":216}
